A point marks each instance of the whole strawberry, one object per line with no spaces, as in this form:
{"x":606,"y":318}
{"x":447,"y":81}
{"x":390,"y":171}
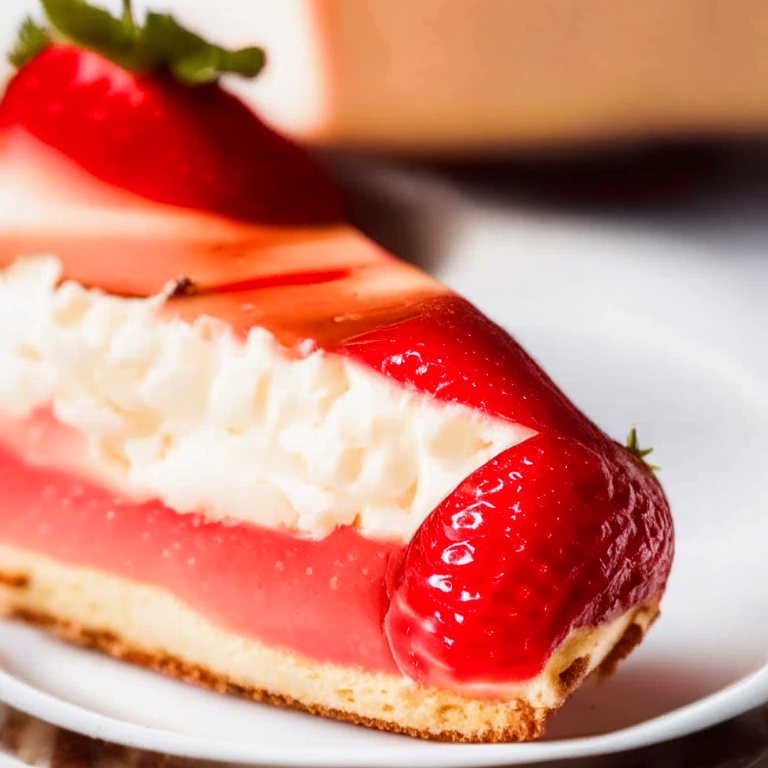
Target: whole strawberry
{"x":552,"y":535}
{"x":139,"y":106}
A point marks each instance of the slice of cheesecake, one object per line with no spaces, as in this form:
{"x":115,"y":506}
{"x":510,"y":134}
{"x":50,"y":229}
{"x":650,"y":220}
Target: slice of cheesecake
{"x":241,"y":444}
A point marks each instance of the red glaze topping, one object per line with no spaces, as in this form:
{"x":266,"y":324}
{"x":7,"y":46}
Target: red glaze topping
{"x":449,"y":349}
{"x":194,"y":147}
{"x":552,"y":535}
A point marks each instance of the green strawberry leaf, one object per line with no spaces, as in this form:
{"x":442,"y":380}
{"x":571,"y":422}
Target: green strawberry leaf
{"x":160,"y":44}
{"x":127,"y":17}
{"x":32,"y":40}
{"x":190,"y":58}
{"x":633,"y":446}
{"x":208,"y":65}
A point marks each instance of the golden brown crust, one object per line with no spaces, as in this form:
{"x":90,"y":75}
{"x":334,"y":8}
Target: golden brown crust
{"x":145,"y":626}
{"x":632,"y":637}
{"x":530,"y":725}
{"x":571,"y":677}
{"x":14,"y":580}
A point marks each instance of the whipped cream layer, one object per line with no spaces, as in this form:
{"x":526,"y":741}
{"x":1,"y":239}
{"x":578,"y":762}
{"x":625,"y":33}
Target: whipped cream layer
{"x":245,"y":430}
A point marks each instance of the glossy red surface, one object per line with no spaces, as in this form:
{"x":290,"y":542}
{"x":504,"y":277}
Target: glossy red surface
{"x":450,"y":350}
{"x":322,"y":598}
{"x":551,"y":535}
{"x":194,"y":147}
{"x":284,"y":280}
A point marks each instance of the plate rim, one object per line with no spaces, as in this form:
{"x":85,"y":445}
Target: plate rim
{"x":731,"y":701}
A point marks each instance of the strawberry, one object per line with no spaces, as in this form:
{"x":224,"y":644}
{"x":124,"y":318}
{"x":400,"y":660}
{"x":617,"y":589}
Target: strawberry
{"x":551,"y":535}
{"x":452,"y":351}
{"x":139,"y":107}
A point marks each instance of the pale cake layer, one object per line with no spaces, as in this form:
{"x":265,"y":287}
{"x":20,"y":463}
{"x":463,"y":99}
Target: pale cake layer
{"x":148,"y":626}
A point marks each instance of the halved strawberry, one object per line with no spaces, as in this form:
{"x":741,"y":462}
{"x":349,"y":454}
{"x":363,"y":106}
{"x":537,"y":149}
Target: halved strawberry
{"x":138,"y":126}
{"x":552,"y":535}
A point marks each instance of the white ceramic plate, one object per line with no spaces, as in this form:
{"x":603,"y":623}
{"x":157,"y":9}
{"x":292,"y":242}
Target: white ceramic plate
{"x":662,"y":327}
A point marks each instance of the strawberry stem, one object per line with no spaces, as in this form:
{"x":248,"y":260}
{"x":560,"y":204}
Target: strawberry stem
{"x":633,"y":446}
{"x":128,"y":14}
{"x":31,"y":41}
{"x":159,"y":44}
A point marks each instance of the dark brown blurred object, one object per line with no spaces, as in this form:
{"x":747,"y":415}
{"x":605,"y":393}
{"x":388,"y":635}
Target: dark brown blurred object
{"x":480,"y":76}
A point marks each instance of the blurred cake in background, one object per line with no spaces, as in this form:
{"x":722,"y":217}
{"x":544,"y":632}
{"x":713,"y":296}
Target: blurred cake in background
{"x":464,"y":76}
{"x":467,"y":76}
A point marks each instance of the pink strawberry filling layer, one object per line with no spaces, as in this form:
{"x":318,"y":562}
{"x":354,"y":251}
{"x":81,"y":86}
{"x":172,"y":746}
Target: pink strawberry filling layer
{"x":325,"y":598}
